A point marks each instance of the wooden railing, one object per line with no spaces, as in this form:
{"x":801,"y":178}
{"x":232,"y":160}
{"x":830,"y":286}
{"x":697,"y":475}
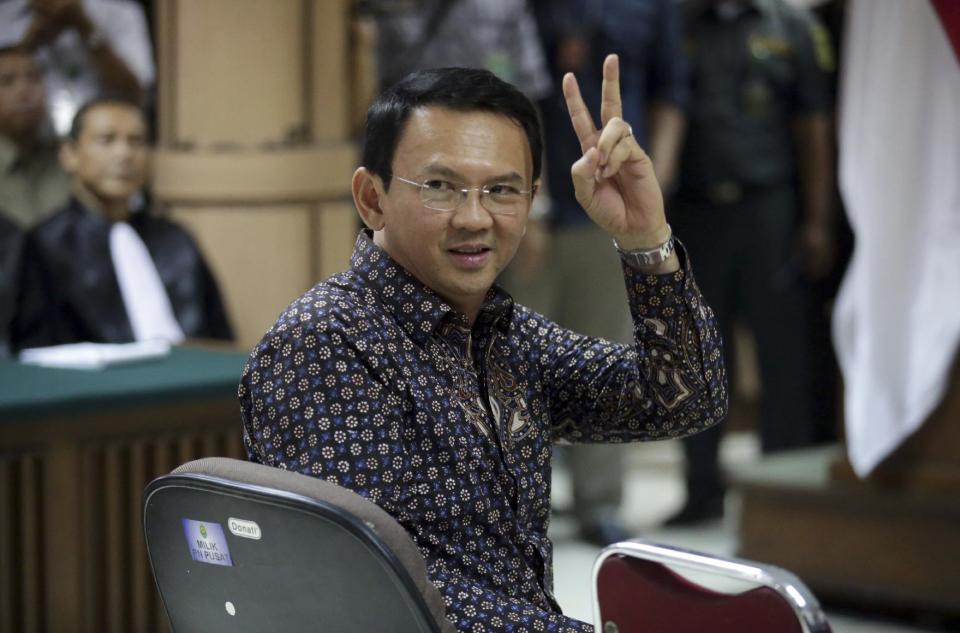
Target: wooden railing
{"x":72,"y":555}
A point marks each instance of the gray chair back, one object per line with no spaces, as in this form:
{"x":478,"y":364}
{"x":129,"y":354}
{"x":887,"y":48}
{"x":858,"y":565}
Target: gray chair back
{"x":237,"y":546}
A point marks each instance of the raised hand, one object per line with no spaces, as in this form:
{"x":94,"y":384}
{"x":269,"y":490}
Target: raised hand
{"x":51,"y":17}
{"x":614,"y":179}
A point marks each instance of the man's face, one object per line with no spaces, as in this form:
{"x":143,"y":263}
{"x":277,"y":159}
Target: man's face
{"x":109,"y":158}
{"x":456,"y":253}
{"x":22,"y":95}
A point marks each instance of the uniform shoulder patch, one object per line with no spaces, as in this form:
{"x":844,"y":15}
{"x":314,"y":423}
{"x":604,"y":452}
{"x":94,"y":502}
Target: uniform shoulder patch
{"x":822,"y":48}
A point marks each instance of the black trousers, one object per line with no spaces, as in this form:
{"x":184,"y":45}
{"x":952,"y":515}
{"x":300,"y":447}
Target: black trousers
{"x":746,"y":263}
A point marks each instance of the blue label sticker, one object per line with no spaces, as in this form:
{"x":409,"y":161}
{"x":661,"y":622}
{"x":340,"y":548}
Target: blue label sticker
{"x":207,"y":542}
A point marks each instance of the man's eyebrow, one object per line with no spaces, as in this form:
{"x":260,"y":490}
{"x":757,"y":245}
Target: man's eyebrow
{"x":436,"y":169}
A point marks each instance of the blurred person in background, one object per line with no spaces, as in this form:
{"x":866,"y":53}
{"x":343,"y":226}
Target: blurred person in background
{"x":496,"y":35}
{"x":32,"y":182}
{"x":95,"y":271}
{"x":753,"y":202}
{"x":566,"y":269}
{"x":87,"y":48}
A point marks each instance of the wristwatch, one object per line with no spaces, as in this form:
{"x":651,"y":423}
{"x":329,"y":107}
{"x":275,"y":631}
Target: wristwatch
{"x":639,"y":258}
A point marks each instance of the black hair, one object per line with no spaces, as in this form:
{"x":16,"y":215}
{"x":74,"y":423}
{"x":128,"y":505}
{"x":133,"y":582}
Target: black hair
{"x":465,"y":89}
{"x":76,"y":126}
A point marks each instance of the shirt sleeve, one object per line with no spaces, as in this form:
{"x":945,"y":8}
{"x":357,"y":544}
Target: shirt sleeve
{"x":670,"y":383}
{"x":125,"y":26}
{"x":815,"y":66}
{"x":474,"y":608}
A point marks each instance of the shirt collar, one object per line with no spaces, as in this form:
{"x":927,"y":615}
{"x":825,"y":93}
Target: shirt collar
{"x":417,"y":308}
{"x":12,"y":158}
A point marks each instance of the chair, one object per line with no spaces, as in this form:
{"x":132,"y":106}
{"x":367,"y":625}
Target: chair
{"x":642,"y":587}
{"x":236,"y":546}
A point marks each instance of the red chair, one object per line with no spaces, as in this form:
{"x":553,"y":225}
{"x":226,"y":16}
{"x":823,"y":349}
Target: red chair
{"x":642,"y":587}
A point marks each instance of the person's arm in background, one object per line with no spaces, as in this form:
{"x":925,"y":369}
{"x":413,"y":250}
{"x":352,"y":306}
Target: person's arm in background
{"x":667,"y":127}
{"x":668,"y":91}
{"x":813,"y":137}
{"x":51,"y":17}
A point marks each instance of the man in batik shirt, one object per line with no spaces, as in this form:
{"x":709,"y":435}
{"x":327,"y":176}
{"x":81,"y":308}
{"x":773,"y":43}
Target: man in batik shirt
{"x":415,"y":381}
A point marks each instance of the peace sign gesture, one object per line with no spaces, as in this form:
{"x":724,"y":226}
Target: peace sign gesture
{"x":614,"y":179}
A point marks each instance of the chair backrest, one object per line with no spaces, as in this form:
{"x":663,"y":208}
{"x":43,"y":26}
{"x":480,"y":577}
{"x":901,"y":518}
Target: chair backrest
{"x":236,"y":546}
{"x":642,"y":587}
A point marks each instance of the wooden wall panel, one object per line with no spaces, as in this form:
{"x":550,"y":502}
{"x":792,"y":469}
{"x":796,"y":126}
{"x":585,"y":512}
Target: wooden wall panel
{"x":22,"y":574}
{"x":115,"y":582}
{"x":254,"y":101}
{"x":261,"y":256}
{"x":239,"y":71}
{"x":303,"y":174}
{"x":328,"y":78}
{"x":8,"y":546}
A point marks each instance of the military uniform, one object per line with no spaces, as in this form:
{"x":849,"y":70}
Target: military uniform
{"x":755,"y":66}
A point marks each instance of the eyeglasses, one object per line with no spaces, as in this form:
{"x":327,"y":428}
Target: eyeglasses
{"x":443,"y":195}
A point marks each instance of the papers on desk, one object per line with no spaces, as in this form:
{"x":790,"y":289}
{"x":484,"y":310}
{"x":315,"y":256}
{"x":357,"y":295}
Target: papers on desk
{"x":93,"y":355}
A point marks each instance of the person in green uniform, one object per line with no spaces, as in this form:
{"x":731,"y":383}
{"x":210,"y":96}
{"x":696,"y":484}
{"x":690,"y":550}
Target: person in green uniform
{"x":753,"y":202}
{"x":32,"y":183}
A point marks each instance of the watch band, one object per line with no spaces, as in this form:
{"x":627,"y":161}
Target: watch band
{"x":647,"y":257}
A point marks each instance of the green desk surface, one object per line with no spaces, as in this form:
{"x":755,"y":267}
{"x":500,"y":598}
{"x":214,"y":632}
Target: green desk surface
{"x":28,"y":392}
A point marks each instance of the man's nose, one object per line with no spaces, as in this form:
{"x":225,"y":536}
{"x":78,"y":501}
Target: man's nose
{"x":471,"y":214}
{"x":123,"y":149}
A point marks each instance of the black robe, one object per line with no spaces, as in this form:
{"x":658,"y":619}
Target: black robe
{"x":69,"y":290}
{"x":10,"y":240}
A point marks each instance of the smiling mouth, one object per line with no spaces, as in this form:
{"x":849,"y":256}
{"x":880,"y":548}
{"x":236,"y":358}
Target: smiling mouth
{"x":469,"y":250}
{"x":470,"y":257}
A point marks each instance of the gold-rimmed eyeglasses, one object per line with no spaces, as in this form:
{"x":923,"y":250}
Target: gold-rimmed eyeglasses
{"x":498,"y":198}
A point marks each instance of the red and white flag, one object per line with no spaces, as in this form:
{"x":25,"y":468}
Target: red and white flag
{"x":896,"y":326}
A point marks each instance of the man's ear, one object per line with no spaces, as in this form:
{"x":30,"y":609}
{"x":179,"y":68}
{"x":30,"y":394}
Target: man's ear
{"x":68,"y":156}
{"x":367,"y":194}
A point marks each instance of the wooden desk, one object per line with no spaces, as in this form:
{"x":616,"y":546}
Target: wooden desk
{"x":890,"y":541}
{"x":76,"y":450}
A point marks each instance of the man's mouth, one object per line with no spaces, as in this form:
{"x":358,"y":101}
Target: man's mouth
{"x":470,"y":255}
{"x":469,"y":250}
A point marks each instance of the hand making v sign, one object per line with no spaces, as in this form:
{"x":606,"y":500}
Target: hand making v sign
{"x":614,"y":179}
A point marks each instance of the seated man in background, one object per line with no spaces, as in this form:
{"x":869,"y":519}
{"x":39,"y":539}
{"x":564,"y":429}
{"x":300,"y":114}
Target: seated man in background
{"x":416,"y":382}
{"x":32,"y":183}
{"x":94,"y":271}
{"x":9,"y":269}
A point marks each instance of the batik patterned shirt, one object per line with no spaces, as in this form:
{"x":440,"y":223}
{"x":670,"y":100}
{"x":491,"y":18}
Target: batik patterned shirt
{"x":371,"y":381}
